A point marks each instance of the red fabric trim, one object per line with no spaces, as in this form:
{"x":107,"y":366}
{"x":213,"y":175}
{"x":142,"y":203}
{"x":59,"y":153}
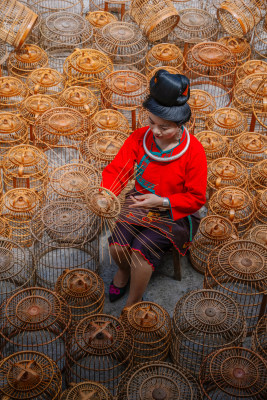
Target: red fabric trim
{"x":124,"y":245}
{"x":164,"y":232}
{"x":152,"y":266}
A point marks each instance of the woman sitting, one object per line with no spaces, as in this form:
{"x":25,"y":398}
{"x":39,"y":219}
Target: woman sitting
{"x":170,"y":187}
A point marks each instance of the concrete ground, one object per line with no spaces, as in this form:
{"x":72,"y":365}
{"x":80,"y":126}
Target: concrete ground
{"x":162,"y":288}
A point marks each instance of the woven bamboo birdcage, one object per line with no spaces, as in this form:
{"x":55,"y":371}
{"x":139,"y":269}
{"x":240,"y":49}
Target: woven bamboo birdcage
{"x":259,"y":107}
{"x":83,"y":290}
{"x":17,"y":21}
{"x":13,"y":131}
{"x":249,"y":148}
{"x":258,"y":176}
{"x":29,"y":374}
{"x":211,"y":67}
{"x":215,"y":145}
{"x":17,"y":266}
{"x":60,"y":131}
{"x":259,"y":343}
{"x":100,"y":148}
{"x":239,"y":269}
{"x":124,"y":43}
{"x":5,"y":231}
{"x":85,"y":390}
{"x":25,"y":166}
{"x":202,"y":105}
{"x":261,"y":208}
{"x":228,"y":122}
{"x":156,"y":381}
{"x":65,"y":237}
{"x":117,"y":7}
{"x":195,"y":25}
{"x":35,"y":319}
{"x":171,"y":70}
{"x":248,"y":91}
{"x":260,"y":40}
{"x":18,"y":207}
{"x":99,"y":19}
{"x":239,"y":17}
{"x":81,"y":99}
{"x":34,"y":106}
{"x":22,"y":61}
{"x":226,"y":172}
{"x":143,"y":120}
{"x":213,"y":231}
{"x":65,"y":29}
{"x":257,"y":234}
{"x":110,"y":119}
{"x":3,"y":55}
{"x":71,"y":181}
{"x":234,"y":373}
{"x":164,"y":55}
{"x":155,"y":18}
{"x":236,"y":204}
{"x":249,"y":68}
{"x":12,"y":93}
{"x":124,"y":91}
{"x":239,"y":47}
{"x":47,"y":7}
{"x":150,"y":325}
{"x":46,"y":81}
{"x":87,"y":67}
{"x":204,"y":321}
{"x":100,"y":349}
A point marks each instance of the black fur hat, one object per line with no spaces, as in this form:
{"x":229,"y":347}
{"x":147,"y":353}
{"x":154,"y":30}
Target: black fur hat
{"x":168,"y":97}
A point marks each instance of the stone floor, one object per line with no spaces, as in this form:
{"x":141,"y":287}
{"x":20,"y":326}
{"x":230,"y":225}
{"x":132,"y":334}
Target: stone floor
{"x":162,"y":288}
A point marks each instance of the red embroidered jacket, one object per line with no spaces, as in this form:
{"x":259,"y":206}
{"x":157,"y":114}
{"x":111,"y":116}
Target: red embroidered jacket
{"x":183,"y":180}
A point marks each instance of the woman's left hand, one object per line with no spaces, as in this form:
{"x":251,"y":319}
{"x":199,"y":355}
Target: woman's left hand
{"x":146,"y":201}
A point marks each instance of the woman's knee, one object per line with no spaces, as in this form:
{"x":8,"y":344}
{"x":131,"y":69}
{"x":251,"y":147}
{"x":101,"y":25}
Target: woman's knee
{"x":118,"y":253}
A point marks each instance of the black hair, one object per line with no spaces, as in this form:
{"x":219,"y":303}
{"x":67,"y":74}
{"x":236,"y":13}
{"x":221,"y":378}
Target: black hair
{"x":168,"y":97}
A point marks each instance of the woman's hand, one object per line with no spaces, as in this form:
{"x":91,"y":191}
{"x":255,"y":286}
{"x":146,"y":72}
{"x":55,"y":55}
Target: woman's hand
{"x":146,"y":201}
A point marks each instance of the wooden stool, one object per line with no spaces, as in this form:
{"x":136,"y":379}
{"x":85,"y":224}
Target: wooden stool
{"x":177,"y":275}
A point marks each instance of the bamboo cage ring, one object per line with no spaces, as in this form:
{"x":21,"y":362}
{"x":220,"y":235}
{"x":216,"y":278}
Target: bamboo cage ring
{"x":195,"y":25}
{"x":257,"y":234}
{"x":109,"y":119}
{"x":164,"y":54}
{"x":46,"y":81}
{"x":259,"y":337}
{"x":239,"y":47}
{"x":235,"y":372}
{"x":23,"y":61}
{"x":157,"y":380}
{"x":235,"y":204}
{"x":215,"y":145}
{"x":30,"y":374}
{"x":103,"y":203}
{"x":228,"y":122}
{"x":238,"y":17}
{"x":98,"y":19}
{"x":213,"y":231}
{"x":204,"y":321}
{"x":85,"y":389}
{"x":83,"y":291}
{"x":72,"y":180}
{"x":249,"y":148}
{"x":66,"y":29}
{"x":157,"y":18}
{"x":12,"y":93}
{"x":79,"y":98}
{"x":16,"y":22}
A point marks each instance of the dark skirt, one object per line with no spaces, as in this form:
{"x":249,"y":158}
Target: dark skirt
{"x":152,"y":232}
